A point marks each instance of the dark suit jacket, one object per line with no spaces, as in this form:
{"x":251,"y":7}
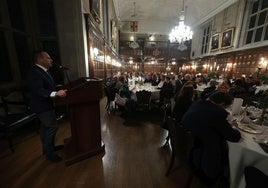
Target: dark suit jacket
{"x":208,"y":123}
{"x":41,"y":85}
{"x":181,"y":106}
{"x":166,"y":90}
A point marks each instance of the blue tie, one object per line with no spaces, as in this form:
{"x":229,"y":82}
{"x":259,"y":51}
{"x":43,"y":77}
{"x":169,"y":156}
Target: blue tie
{"x":50,"y":76}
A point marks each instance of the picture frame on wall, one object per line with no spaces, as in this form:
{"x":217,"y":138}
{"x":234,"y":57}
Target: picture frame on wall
{"x":113,"y":33}
{"x":227,"y":38}
{"x":95,"y":9}
{"x":215,"y":42}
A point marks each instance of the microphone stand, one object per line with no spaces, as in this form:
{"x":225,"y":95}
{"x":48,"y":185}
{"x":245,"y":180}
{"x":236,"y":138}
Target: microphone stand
{"x":65,"y":74}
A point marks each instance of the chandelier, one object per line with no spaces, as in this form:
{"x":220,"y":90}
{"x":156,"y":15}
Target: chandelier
{"x":134,"y":45}
{"x":182,"y":32}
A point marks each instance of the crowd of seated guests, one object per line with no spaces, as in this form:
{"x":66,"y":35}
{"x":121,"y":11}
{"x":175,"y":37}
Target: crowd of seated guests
{"x":171,"y":85}
{"x":151,"y":78}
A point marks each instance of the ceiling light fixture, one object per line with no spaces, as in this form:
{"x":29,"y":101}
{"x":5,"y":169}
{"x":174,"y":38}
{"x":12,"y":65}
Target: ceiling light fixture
{"x":134,"y":45}
{"x":182,"y":32}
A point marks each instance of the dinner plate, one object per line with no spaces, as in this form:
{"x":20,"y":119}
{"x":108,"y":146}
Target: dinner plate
{"x":262,"y":139}
{"x":250,"y":128}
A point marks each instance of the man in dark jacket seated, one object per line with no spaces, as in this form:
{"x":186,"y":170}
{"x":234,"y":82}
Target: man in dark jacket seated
{"x":166,"y":90}
{"x":207,"y":120}
{"x":209,"y":90}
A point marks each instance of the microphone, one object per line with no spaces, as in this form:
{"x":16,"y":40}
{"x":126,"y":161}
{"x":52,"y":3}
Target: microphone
{"x":64,"y":70}
{"x":60,"y":66}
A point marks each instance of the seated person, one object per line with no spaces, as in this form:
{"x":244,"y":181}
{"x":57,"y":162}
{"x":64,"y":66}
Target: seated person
{"x":187,"y":78}
{"x":209,"y":90}
{"x":207,"y":120}
{"x":111,"y":87}
{"x":154,"y":80}
{"x":161,"y":82}
{"x":148,"y":78}
{"x":126,"y":93}
{"x":238,"y":91}
{"x":223,"y":87}
{"x":183,"y":101}
{"x":178,"y":86}
{"x":166,"y":91}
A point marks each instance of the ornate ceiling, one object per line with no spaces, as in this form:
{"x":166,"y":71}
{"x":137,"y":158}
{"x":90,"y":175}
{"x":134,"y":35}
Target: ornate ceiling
{"x":160,"y":16}
{"x":152,"y":21}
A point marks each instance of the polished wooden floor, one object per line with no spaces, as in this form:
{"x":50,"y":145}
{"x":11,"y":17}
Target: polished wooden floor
{"x":133,"y":157}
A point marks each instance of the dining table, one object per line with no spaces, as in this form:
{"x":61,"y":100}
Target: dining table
{"x":155,"y":92}
{"x":248,"y":152}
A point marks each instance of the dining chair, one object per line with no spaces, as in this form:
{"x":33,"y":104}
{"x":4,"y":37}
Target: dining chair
{"x":255,"y":178}
{"x":143,"y":99}
{"x":167,"y":112}
{"x":181,"y":145}
{"x":110,"y":94}
{"x":14,"y":114}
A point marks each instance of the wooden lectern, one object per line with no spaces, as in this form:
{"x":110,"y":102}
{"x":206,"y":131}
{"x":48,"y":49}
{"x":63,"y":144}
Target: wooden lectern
{"x":83,"y":98}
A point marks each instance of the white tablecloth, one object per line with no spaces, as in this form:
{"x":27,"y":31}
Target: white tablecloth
{"x":155,"y":93}
{"x":245,"y":153}
{"x":261,"y":88}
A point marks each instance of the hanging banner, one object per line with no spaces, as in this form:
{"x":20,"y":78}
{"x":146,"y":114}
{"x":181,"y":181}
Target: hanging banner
{"x":133,"y":26}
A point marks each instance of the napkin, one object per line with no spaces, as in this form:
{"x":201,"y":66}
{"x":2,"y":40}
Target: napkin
{"x":236,"y":107}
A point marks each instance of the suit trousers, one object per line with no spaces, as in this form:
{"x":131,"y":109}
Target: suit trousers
{"x":48,"y":130}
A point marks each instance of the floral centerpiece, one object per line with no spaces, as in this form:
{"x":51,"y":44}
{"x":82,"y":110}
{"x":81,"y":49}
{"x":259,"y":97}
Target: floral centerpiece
{"x":263,"y":104}
{"x":140,"y":80}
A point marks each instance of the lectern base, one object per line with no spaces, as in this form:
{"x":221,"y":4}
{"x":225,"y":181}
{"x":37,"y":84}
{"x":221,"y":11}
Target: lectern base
{"x":83,"y":155}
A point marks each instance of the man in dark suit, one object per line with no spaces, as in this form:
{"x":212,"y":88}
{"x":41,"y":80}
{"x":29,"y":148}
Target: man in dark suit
{"x":43,"y":90}
{"x":166,"y":90}
{"x":207,"y":120}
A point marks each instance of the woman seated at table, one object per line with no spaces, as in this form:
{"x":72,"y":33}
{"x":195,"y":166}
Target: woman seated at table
{"x":207,"y":120}
{"x":161,"y":81}
{"x":183,"y":101}
{"x":224,"y":87}
{"x":126,"y":93}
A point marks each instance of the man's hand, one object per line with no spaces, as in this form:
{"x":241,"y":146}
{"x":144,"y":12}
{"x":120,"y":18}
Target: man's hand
{"x":61,"y":93}
{"x":234,"y":123}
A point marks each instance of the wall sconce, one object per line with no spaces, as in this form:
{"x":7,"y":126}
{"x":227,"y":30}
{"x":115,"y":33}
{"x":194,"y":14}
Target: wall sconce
{"x":173,"y":61}
{"x":136,"y":67}
{"x":215,"y":65}
{"x":113,"y":62}
{"x":263,"y":64}
{"x":168,"y":68}
{"x":95,"y":52}
{"x":153,"y":62}
{"x":108,"y":59}
{"x":151,"y":38}
{"x":193,"y":66}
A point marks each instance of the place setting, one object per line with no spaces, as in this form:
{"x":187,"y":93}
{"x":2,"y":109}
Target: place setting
{"x":247,"y":118}
{"x":251,"y":120}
